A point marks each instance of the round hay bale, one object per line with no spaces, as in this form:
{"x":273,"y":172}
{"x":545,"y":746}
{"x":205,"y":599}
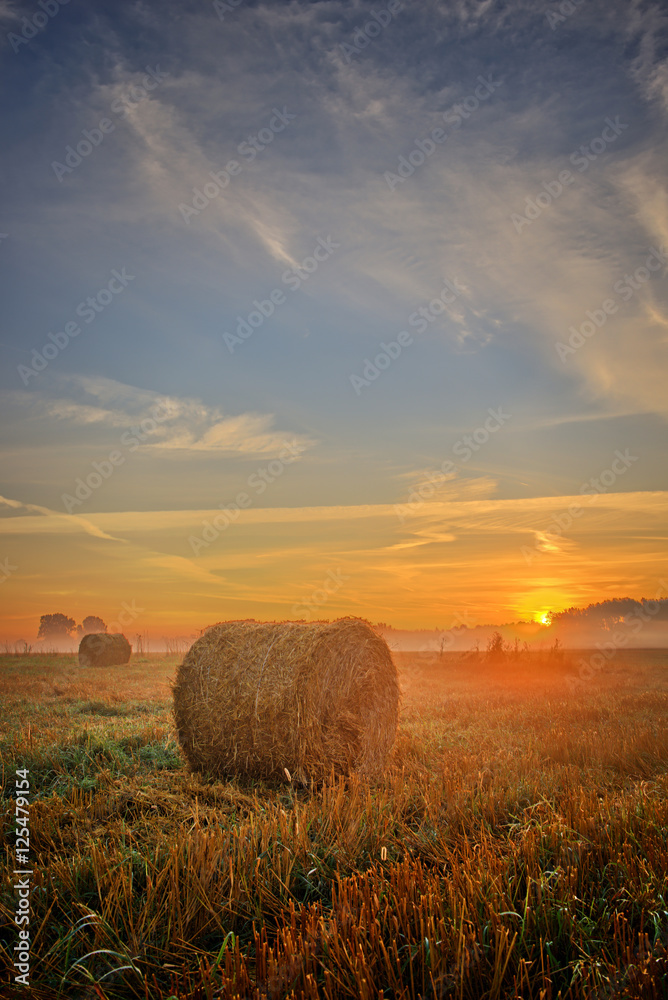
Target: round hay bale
{"x":102,"y":649}
{"x":259,"y":698}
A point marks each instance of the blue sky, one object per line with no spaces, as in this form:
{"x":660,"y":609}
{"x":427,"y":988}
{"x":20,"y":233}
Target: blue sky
{"x":559,"y":77}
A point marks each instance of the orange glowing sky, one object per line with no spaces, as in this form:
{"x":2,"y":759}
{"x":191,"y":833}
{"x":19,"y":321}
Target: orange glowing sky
{"x":474,"y":558}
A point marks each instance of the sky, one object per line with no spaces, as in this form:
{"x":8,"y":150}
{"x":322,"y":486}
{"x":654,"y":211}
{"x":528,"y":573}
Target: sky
{"x":316,"y":309}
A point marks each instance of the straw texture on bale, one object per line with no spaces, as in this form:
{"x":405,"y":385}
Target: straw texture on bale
{"x":257,"y":698}
{"x":103,"y":649}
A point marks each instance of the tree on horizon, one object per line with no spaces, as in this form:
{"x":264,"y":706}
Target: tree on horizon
{"x":56,"y":625}
{"x":91,"y":625}
{"x":610,"y":612}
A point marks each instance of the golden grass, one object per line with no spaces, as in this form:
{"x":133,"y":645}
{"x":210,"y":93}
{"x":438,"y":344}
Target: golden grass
{"x":517,"y":846}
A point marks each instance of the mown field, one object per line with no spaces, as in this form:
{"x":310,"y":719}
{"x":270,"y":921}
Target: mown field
{"x":517,"y":847}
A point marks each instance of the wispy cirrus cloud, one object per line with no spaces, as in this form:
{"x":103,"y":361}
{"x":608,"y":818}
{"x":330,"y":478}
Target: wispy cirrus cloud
{"x":17,"y":517}
{"x":174,"y":427}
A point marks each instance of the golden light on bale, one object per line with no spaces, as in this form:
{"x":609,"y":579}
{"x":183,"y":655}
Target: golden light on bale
{"x":103,"y":649}
{"x":260,"y":699}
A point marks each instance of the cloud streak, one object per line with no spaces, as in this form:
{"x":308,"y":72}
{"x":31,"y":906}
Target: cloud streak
{"x":174,"y":427}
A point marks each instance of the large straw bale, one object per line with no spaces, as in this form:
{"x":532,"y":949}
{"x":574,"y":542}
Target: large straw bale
{"x":262,"y":698}
{"x":104,"y":649}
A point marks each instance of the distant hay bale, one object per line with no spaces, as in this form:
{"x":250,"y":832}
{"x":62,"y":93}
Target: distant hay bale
{"x":102,"y":649}
{"x":262,"y":698}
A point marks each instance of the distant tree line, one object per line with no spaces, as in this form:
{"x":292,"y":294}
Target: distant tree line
{"x":611,"y":613}
{"x":51,"y":626}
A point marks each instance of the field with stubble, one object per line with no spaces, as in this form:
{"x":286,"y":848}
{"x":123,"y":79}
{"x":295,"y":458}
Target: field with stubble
{"x":517,"y":847}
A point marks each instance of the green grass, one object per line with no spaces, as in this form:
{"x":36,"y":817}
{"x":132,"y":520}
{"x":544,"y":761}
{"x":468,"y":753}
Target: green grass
{"x":80,"y":762}
{"x":517,"y":846}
